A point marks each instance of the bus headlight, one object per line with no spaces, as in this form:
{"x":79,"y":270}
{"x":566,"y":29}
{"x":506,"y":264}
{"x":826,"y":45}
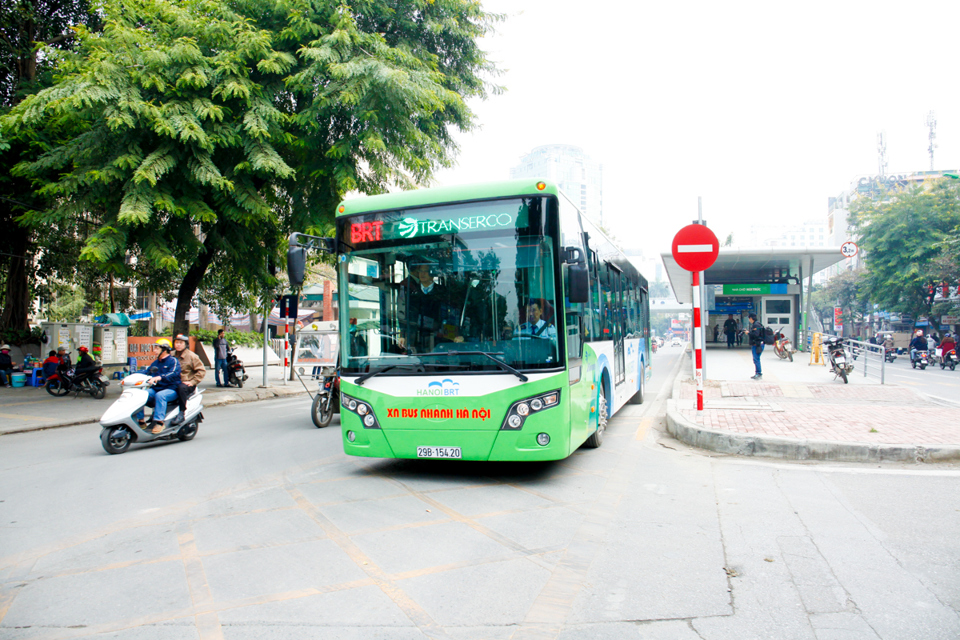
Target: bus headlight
{"x":543,"y":439}
{"x":361,"y":409}
{"x":521,"y":409}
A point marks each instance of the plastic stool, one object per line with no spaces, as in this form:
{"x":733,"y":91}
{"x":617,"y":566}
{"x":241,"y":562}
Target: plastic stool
{"x":36,"y":378}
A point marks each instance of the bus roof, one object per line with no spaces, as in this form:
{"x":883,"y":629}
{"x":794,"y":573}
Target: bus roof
{"x":436,"y":195}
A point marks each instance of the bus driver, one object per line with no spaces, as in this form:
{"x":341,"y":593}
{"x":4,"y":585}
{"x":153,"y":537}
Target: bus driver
{"x":536,"y":326}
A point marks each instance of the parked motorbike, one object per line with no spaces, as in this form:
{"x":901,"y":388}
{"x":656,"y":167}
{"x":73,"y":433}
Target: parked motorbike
{"x":920,"y":359}
{"x":327,"y":400}
{"x":782,"y":346}
{"x":236,"y":374}
{"x":63,"y":382}
{"x":838,"y":357}
{"x":121,"y":429}
{"x":949,"y":359}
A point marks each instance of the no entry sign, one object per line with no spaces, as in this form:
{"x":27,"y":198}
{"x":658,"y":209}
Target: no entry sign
{"x":695,"y":247}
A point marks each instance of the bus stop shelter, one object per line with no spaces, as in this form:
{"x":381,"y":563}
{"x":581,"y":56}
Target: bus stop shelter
{"x":765,"y":281}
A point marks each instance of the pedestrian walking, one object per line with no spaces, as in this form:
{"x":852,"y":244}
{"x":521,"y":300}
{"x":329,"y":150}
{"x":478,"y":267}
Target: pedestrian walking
{"x":756,"y":344}
{"x":716,"y":332}
{"x":730,"y":330}
{"x":220,"y":349}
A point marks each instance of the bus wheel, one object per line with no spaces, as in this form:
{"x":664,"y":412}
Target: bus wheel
{"x":637,"y":398}
{"x":596,"y":439}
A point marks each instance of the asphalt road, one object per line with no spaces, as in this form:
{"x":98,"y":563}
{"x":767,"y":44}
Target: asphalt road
{"x":942,"y":384}
{"x":262,"y":528}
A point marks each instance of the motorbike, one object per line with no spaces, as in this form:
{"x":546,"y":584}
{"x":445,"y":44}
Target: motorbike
{"x":327,"y":400}
{"x":120,"y":428}
{"x":890,"y":354}
{"x":920,"y":359}
{"x":949,"y":359}
{"x":236,"y":374}
{"x":654,"y":344}
{"x":838,"y":358}
{"x":782,"y":346}
{"x":63,"y":382}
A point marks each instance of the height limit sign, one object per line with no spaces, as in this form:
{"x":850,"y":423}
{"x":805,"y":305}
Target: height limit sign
{"x":695,"y":249}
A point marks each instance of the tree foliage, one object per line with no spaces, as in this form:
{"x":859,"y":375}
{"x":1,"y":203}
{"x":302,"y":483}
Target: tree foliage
{"x":24,"y":25}
{"x":903,"y":238}
{"x":208,"y":130}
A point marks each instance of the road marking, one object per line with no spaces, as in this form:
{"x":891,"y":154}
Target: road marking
{"x":18,"y":416}
{"x":645,"y":425}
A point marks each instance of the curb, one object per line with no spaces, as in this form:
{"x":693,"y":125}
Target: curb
{"x":739,"y":444}
{"x":220,"y":398}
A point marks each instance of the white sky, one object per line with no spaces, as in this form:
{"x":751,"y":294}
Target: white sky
{"x":765,"y":109}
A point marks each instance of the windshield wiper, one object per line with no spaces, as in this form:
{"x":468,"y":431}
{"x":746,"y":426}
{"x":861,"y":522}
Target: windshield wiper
{"x":499,"y":363}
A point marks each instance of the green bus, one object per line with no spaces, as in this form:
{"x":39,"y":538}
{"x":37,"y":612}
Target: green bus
{"x":484,"y":322}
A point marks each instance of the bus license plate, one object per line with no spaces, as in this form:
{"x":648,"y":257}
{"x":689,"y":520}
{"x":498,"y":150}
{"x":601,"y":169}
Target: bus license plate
{"x":438,"y":452}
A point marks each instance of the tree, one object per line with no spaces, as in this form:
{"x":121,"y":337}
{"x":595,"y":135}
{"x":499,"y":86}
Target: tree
{"x":843,"y":290}
{"x":24,"y":24}
{"x":901,"y":238}
{"x":210,"y":130}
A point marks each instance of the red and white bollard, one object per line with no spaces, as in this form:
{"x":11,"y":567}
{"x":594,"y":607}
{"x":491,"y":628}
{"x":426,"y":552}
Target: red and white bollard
{"x":697,"y":340}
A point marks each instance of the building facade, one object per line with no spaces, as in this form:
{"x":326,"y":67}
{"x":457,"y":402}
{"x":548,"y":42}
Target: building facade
{"x":578,"y":175}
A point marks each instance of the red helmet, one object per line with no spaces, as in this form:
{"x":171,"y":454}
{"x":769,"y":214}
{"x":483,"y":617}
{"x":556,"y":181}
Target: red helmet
{"x":82,"y":349}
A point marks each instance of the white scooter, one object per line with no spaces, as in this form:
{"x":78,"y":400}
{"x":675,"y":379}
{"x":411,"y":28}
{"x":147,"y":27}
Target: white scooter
{"x":120,"y":427}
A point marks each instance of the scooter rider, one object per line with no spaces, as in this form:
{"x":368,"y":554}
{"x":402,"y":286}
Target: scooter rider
{"x":86,"y":363}
{"x":165,"y":380}
{"x":191,"y":373}
{"x":919,"y":343}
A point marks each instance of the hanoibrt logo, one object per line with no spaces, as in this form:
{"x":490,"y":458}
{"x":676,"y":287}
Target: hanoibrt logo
{"x":445,"y":387}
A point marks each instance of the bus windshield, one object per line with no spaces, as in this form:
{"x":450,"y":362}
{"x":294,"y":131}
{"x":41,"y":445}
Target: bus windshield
{"x":458,"y":288}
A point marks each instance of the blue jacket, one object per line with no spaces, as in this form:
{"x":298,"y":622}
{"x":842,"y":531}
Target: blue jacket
{"x":169,"y":371}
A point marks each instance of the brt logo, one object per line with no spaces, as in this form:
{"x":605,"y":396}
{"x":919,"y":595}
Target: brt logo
{"x":445,"y":388}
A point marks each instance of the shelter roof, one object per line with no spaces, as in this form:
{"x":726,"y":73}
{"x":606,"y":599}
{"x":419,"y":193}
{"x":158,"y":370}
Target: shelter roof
{"x":753,"y":266}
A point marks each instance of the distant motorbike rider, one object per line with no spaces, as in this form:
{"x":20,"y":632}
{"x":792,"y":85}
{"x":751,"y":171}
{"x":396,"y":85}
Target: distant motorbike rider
{"x":165,"y":371}
{"x":191,"y":373}
{"x":919,"y":343}
{"x":948,"y":344}
{"x":888,"y":342}
{"x":86,"y":363}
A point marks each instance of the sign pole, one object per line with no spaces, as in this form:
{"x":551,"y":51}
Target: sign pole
{"x":697,"y":340}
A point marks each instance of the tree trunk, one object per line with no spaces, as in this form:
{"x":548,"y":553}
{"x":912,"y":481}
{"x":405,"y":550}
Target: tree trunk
{"x":190,"y":284}
{"x":17,"y":296}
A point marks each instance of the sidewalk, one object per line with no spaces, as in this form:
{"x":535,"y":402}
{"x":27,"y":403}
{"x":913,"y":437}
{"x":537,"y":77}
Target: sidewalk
{"x":32,"y":408}
{"x":799,"y":411}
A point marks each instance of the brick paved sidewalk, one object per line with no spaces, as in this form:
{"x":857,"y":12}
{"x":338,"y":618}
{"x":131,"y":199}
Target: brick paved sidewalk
{"x":799,"y":411}
{"x":867,"y":414}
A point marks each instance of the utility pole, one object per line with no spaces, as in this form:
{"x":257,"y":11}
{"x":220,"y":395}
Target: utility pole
{"x":931,"y":123}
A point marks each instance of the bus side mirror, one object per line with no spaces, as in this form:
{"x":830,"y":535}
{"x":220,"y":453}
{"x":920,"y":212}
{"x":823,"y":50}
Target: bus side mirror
{"x":579,"y":283}
{"x":573,"y":255}
{"x":296,"y":265}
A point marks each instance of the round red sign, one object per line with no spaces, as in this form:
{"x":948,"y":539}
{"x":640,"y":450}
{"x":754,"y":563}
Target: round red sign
{"x":695,"y":247}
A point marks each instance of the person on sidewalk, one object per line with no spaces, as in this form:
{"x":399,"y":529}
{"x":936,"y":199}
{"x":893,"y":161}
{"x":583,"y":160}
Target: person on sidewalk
{"x":220,"y":351}
{"x":191,"y":373}
{"x":756,"y":344}
{"x":165,"y":372}
{"x":730,"y":330}
{"x":6,"y":366}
